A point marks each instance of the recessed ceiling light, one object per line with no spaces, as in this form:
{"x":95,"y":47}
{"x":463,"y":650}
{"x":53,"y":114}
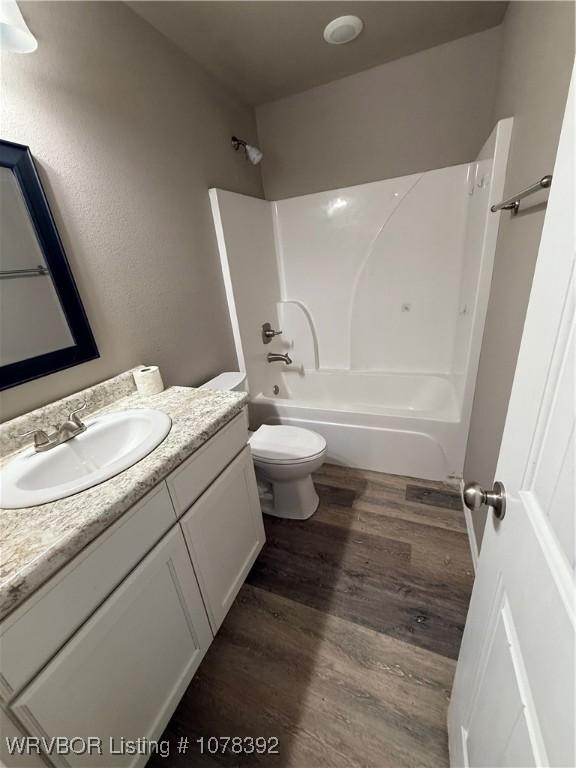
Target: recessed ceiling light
{"x":342,"y":30}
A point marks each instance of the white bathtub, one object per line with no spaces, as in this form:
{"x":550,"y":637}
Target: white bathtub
{"x":406,"y":424}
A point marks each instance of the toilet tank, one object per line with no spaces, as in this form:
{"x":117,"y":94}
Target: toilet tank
{"x":229,"y":380}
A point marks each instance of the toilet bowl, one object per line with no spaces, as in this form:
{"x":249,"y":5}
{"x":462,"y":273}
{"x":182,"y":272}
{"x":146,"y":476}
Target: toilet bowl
{"x":284,"y":458}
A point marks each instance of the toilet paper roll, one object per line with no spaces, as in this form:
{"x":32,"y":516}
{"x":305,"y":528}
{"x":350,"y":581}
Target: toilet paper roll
{"x":148,"y":380}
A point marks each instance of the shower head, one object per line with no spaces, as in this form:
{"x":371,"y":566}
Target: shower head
{"x":253,"y":154}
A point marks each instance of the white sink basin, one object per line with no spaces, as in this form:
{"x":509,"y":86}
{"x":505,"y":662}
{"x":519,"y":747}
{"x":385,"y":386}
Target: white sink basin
{"x":110,"y":444}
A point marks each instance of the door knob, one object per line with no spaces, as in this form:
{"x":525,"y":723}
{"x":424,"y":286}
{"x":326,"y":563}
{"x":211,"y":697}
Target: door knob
{"x":475,"y":497}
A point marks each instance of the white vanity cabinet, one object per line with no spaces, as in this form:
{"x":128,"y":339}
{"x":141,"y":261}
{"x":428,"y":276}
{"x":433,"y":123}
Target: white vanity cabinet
{"x":123,"y":673}
{"x":107,"y":647}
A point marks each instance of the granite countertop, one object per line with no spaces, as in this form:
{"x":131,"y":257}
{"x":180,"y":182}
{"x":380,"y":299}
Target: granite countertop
{"x":37,"y":541}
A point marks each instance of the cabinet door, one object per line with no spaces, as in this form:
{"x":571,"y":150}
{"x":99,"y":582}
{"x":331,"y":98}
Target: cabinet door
{"x":10,"y":740}
{"x":224,"y":532}
{"x":62,"y":605}
{"x":123,"y":673}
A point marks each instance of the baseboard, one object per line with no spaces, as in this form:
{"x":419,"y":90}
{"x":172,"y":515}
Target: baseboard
{"x":470,"y":529}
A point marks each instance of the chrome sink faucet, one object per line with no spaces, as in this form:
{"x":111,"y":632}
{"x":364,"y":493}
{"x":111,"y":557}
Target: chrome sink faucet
{"x":275,"y":357}
{"x":73,"y":426}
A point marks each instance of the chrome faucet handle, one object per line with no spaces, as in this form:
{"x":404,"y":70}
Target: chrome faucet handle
{"x":40,"y":437}
{"x":268,"y":333}
{"x":76,"y":419}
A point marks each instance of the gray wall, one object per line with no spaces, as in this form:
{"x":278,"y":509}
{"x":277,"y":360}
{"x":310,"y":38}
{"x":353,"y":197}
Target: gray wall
{"x":538,"y":54}
{"x":424,"y":111}
{"x":129,"y":134}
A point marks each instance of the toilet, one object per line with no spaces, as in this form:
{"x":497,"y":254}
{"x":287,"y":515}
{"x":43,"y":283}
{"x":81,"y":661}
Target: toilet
{"x":284,"y":458}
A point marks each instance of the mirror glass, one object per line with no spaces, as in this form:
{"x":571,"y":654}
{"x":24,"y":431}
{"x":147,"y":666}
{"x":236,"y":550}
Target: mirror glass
{"x":31,"y":316}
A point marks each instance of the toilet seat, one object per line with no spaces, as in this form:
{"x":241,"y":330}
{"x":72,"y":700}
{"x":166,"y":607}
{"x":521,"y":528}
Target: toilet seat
{"x":282,"y":444}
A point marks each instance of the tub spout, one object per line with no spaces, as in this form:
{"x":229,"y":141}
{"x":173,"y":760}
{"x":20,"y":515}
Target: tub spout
{"x":274,"y":357}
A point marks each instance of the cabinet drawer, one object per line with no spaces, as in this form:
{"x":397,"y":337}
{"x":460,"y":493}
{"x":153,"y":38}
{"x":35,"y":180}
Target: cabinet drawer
{"x":34,"y":632}
{"x":195,"y":474}
{"x":224,"y":532}
{"x":124,"y":672}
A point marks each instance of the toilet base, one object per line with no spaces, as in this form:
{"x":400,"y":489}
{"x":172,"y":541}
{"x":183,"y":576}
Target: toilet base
{"x":291,"y":499}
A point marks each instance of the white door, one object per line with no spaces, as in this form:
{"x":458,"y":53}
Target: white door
{"x":513,"y":697}
{"x":224,"y":533}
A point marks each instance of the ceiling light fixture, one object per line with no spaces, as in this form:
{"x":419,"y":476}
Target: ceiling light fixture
{"x":14,"y":33}
{"x":342,"y":30}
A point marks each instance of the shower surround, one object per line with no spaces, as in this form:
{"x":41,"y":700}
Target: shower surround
{"x":381,"y":292}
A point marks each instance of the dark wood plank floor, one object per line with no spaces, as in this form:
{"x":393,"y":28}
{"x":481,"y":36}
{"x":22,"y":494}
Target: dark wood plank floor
{"x":342,"y":643}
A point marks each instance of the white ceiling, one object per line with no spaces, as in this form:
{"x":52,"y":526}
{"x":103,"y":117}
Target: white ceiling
{"x":268,"y":49}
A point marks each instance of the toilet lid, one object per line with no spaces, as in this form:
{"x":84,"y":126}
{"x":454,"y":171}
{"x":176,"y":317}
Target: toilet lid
{"x":280,"y":444}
